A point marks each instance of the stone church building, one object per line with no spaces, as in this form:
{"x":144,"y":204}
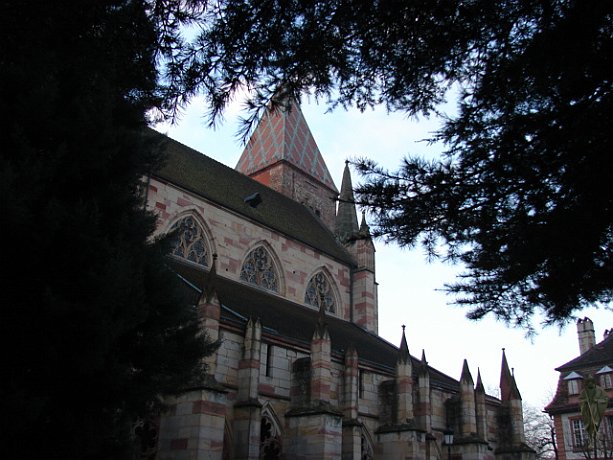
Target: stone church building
{"x":284,"y":275}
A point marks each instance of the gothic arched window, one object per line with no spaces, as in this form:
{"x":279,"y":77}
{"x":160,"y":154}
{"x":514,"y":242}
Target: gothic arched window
{"x":365,"y":448}
{"x":259,"y":269}
{"x":189,"y":241}
{"x":270,"y":438}
{"x":319,"y":293}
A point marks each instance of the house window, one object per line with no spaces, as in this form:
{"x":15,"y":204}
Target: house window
{"x":573,"y":387}
{"x":188,"y":242}
{"x":259,"y":269}
{"x":319,"y":293}
{"x":608,"y":427}
{"x":604,"y":377}
{"x":579,"y":436}
{"x":572,"y":380}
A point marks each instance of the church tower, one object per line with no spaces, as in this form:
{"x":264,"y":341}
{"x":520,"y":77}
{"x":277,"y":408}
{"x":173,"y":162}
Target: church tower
{"x":358,"y":241}
{"x":283,"y":155}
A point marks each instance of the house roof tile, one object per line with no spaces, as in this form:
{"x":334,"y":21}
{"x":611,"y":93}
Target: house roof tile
{"x":599,"y":354}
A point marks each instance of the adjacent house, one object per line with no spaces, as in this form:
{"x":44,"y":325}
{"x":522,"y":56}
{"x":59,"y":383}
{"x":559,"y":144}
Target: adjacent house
{"x":594,"y":361}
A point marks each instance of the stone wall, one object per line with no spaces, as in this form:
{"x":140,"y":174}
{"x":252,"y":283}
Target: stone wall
{"x":231,"y":237}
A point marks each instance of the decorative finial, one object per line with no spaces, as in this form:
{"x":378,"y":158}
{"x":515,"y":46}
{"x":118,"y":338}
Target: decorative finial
{"x":403,"y":326}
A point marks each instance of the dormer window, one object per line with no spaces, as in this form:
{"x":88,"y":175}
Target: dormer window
{"x":574,"y":383}
{"x":604,"y":377}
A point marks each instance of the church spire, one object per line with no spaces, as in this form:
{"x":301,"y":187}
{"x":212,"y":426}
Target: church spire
{"x":508,"y":386}
{"x":364,"y":227}
{"x":479,"y":386}
{"x":346,"y":218}
{"x":466,"y":375}
{"x":403,"y":351}
{"x":284,"y":135}
{"x":283,"y":155}
{"x":512,"y":405}
{"x":404,"y":383}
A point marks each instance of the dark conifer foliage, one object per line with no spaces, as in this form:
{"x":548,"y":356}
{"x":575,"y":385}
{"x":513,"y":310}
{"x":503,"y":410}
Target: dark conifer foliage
{"x":94,"y":328}
{"x":523,"y":195}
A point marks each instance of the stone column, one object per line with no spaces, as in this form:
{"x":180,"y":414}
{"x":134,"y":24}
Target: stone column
{"x":352,"y":428}
{"x":467,"y":403}
{"x":248,"y":410}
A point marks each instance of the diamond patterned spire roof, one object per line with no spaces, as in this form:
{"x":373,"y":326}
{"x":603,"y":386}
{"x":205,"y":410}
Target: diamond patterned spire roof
{"x":284,"y":135}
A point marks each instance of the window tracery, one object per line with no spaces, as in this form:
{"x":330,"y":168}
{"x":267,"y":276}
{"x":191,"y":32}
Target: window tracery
{"x":366,"y":448}
{"x":259,"y":269}
{"x":189,"y":241}
{"x":319,"y":293}
{"x":270,"y":439}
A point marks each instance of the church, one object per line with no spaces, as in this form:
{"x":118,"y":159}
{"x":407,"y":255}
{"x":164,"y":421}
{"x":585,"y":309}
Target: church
{"x":283,"y":274}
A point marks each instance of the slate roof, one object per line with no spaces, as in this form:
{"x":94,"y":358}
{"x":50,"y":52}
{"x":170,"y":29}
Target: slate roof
{"x":284,"y":136}
{"x":599,"y":354}
{"x":294,"y":323}
{"x":207,"y":178}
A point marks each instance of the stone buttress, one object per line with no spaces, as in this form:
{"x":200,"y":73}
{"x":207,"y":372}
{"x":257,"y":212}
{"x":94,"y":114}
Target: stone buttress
{"x":248,"y":409}
{"x":402,"y":438}
{"x":511,"y":441}
{"x":194,"y":424}
{"x":423,"y":409}
{"x":472,"y":445}
{"x":481,"y":409}
{"x":352,"y":427}
{"x":315,"y":429}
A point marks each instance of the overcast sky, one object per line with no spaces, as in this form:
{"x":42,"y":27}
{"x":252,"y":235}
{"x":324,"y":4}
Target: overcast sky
{"x":409,"y":287}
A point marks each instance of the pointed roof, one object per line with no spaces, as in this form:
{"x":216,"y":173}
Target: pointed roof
{"x":403,"y":351}
{"x":508,"y":386}
{"x":209,"y":282}
{"x":364,"y":227}
{"x":479,"y":386}
{"x":283,"y":135}
{"x":466,"y":375}
{"x":423,"y":363}
{"x":346,"y":217}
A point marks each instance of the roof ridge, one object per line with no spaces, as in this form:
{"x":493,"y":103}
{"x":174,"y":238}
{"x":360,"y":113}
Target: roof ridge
{"x":331,"y":247}
{"x":591,"y":356}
